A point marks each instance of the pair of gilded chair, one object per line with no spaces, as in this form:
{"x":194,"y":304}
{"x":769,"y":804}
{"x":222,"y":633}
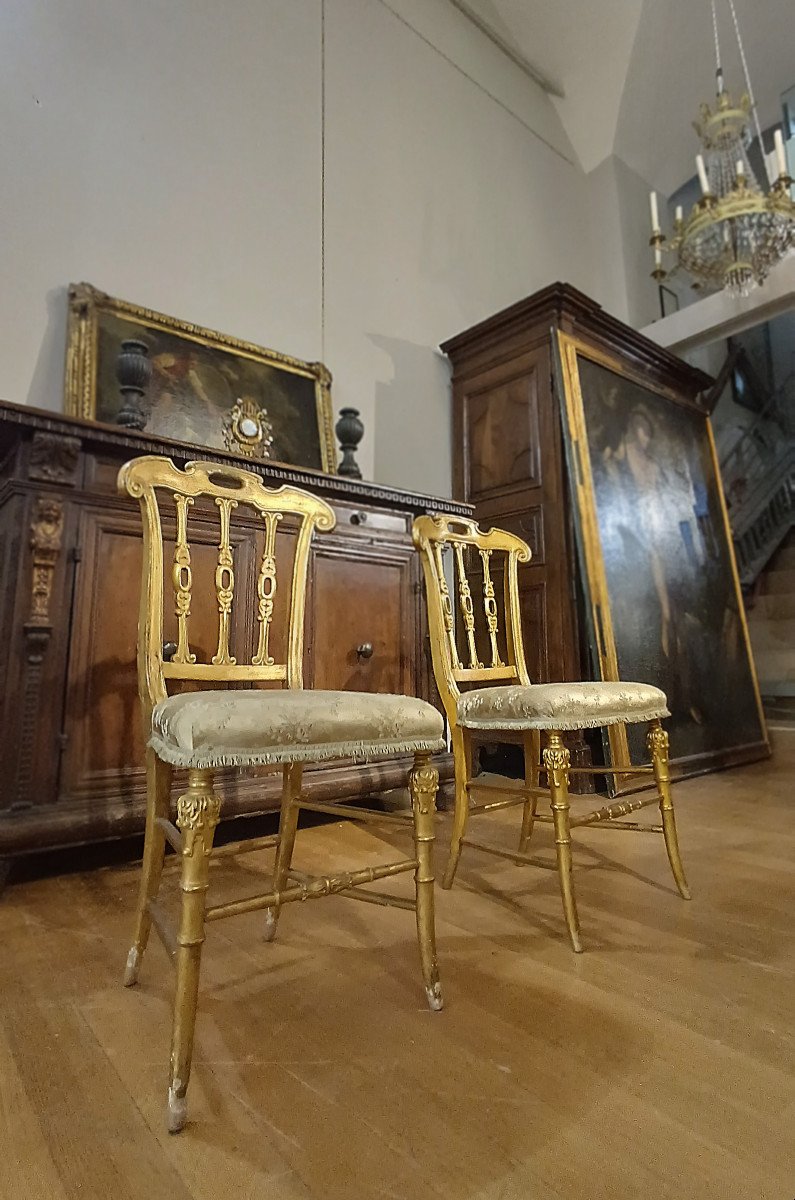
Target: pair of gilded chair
{"x":254,"y":724}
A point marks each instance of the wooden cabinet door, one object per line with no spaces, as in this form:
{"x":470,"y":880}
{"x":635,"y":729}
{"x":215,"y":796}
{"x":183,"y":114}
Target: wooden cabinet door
{"x":362,"y":597}
{"x":513,"y":472}
{"x":104,"y":743}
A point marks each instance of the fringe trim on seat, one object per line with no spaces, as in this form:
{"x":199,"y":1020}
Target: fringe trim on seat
{"x":293,"y":753}
{"x":563,"y":723}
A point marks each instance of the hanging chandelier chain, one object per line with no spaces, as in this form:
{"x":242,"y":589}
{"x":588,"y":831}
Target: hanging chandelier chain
{"x":748,"y":86}
{"x":718,"y":68}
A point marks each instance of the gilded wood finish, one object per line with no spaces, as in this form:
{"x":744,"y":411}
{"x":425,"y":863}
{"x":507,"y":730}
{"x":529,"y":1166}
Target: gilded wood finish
{"x":432,"y":536}
{"x":199,"y":809}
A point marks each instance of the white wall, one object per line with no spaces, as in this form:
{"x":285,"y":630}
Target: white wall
{"x":176,"y":162}
{"x":169,"y":161}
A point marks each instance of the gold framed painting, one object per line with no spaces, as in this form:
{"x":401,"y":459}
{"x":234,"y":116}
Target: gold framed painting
{"x":207,"y":388}
{"x":662,"y":594}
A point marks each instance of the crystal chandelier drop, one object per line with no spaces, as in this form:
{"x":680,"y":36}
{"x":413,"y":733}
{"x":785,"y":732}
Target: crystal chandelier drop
{"x":736,"y":231}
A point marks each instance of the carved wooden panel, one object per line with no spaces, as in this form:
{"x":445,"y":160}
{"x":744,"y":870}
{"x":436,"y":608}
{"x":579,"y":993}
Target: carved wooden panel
{"x":363,"y":623}
{"x":502,"y":430}
{"x":37,"y":536}
{"x":533,"y":605}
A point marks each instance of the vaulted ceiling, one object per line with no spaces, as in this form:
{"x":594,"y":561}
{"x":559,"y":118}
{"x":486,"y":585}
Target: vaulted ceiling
{"x":633,"y":73}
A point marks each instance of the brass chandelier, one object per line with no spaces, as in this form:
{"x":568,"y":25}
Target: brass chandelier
{"x":736,"y":231}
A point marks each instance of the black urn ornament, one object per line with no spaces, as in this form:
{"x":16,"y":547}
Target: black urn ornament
{"x":350,"y":431}
{"x":134,"y":373}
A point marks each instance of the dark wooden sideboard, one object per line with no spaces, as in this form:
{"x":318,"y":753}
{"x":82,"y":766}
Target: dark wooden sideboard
{"x":71,"y":744}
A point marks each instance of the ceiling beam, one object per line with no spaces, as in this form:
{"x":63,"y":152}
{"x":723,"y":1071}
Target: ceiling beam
{"x":549,"y":85}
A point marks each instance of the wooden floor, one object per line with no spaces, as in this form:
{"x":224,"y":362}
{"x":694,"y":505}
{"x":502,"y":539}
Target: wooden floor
{"x":660,"y":1063}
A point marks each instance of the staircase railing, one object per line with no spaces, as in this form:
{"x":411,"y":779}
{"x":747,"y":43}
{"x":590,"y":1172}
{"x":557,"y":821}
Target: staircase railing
{"x":759,"y":482}
{"x":764,"y":519}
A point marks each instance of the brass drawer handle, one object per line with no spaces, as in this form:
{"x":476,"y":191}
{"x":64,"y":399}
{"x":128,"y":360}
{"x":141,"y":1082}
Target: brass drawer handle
{"x":169,"y":650}
{"x":358,"y":518}
{"x":365,"y":650}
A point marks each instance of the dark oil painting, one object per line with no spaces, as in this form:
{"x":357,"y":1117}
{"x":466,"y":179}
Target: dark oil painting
{"x":674,"y":602}
{"x":195,"y":386}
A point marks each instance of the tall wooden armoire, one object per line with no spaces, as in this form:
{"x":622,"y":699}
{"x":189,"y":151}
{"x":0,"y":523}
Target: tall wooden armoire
{"x":508,"y":453}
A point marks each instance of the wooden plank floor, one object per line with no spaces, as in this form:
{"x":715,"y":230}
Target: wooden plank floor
{"x":660,"y":1063}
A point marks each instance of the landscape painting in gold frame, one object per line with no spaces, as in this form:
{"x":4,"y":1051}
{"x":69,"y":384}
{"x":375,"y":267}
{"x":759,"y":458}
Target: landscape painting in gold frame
{"x":662,"y":592}
{"x":203,"y":383}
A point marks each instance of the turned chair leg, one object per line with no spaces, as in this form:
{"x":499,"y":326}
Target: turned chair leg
{"x":424,"y":783}
{"x":657,"y":742}
{"x":556,"y":764}
{"x":532,"y":748}
{"x":158,"y":794}
{"x":288,"y":826}
{"x":462,"y":761}
{"x":197,"y":816}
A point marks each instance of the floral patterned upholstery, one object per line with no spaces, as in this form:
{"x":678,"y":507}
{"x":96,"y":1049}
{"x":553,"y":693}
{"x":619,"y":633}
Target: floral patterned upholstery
{"x":560,"y":705}
{"x":241,"y":728}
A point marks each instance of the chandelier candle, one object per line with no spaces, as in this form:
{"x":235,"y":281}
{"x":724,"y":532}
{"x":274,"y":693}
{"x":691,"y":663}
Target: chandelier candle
{"x":655,"y":216}
{"x":781,"y":157}
{"x":702,"y":175}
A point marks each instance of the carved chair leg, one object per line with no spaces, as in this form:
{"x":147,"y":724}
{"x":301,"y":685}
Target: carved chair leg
{"x":197,"y":816}
{"x":424,"y":782}
{"x":462,"y":760}
{"x":532,"y":755}
{"x":556,"y":764}
{"x":288,"y":825}
{"x":158,"y":793}
{"x":657,"y":742}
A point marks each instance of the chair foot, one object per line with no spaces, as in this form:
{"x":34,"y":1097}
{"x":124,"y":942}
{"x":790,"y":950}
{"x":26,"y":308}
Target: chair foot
{"x":435,"y":998}
{"x":177,"y":1111}
{"x":271,"y":923}
{"x":133,"y":966}
{"x":452,"y":866}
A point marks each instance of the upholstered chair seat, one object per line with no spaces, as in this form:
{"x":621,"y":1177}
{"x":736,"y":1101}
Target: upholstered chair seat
{"x":242,"y":728}
{"x":560,"y":705}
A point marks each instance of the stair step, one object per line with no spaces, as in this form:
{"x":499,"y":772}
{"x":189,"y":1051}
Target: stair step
{"x":778,"y":687}
{"x":772,"y":664}
{"x":773,"y":606}
{"x":779,"y":632}
{"x":778,"y":580}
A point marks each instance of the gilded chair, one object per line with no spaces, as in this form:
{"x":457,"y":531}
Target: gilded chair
{"x":252,"y":713}
{"x":499,"y":699}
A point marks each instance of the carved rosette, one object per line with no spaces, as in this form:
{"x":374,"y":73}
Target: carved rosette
{"x":53,"y":458}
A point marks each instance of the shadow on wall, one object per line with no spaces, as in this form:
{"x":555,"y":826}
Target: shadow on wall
{"x":46,"y":384}
{"x":413,"y":411}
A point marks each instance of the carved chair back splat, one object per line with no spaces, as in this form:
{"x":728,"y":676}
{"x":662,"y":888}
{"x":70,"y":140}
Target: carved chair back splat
{"x":144,"y":478}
